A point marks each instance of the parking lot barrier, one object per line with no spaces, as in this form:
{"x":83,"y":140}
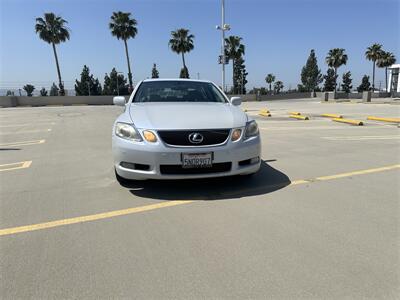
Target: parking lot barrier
{"x":294,"y":113}
{"x":390,"y":120}
{"x":348,"y":121}
{"x":305,"y":118}
{"x":332,"y":116}
{"x":264,"y":112}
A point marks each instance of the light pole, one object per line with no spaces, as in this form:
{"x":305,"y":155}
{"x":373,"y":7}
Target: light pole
{"x":223,"y":27}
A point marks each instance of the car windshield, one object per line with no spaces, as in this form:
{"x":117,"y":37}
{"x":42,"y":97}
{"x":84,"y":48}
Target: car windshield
{"x":178,"y":91}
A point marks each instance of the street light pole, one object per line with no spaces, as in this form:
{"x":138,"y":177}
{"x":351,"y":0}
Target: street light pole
{"x":223,"y":44}
{"x":223,"y":27}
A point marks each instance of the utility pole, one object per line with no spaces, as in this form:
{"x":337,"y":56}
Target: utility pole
{"x":223,"y":27}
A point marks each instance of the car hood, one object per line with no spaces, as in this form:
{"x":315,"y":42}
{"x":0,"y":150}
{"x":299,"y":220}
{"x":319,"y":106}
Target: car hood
{"x":185,"y":115}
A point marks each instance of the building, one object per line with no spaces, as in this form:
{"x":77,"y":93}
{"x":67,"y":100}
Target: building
{"x":394,"y":82}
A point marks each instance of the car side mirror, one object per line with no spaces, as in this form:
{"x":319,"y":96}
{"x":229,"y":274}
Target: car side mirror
{"x":236,"y":101}
{"x":119,"y":100}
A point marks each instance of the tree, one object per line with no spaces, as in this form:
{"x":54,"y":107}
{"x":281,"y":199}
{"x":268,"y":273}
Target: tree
{"x":311,"y":76}
{"x":270,"y":79}
{"x":374,"y":52}
{"x":278,"y":86}
{"x":181,"y":42}
{"x":240,"y":75}
{"x":54,"y":90}
{"x":115,"y":84}
{"x":154,"y":72}
{"x":52,"y":29}
{"x":346,"y":82}
{"x":87,"y":86}
{"x":234,"y":50}
{"x":29,"y":88}
{"x":124,"y":27}
{"x":330,"y":80}
{"x":386,"y":60}
{"x":336,"y":57}
{"x":9,"y":93}
{"x":43,"y":92}
{"x":365,"y":84}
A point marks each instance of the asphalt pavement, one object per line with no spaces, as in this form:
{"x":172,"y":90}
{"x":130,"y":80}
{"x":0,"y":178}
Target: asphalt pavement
{"x":319,"y":221}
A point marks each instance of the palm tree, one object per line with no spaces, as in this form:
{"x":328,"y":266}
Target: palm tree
{"x":373,"y":53}
{"x":181,"y":42}
{"x":386,"y":60}
{"x":124,"y":27}
{"x":335,"y":58}
{"x":52,"y":30}
{"x":234,"y":50}
{"x":270,"y":79}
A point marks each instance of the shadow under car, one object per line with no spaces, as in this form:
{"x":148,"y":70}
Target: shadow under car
{"x":266,"y":180}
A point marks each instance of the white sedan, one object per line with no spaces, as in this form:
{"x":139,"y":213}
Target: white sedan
{"x":180,"y":129}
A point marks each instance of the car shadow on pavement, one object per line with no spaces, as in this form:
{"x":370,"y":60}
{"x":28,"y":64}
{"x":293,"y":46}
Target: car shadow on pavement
{"x":267,"y":180}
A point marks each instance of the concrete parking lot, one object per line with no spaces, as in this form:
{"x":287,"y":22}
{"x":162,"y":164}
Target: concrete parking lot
{"x":319,"y":221}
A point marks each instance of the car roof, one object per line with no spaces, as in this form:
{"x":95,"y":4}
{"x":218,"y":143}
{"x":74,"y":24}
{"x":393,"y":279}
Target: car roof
{"x":175,"y":79}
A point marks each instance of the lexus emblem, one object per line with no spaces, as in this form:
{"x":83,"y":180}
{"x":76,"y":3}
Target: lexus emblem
{"x":195,"y":138}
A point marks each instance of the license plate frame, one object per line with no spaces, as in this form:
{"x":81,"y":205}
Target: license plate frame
{"x":200,"y":160}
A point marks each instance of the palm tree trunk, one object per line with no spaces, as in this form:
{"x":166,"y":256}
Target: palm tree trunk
{"x":373,"y":76}
{"x":335,"y":78}
{"x":233,"y":76}
{"x":60,"y":84}
{"x":183,"y":60}
{"x":129,"y":66}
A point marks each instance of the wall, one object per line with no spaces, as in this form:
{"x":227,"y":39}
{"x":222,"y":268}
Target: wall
{"x":10,"y":101}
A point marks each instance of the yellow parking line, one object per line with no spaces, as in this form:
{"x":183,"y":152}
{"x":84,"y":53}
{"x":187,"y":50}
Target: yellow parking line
{"x":132,"y":210}
{"x":15,"y":166}
{"x":90,"y":218}
{"x":24,"y":143}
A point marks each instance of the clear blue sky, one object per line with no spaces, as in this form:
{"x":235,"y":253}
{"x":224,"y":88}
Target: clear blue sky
{"x":278,"y":36}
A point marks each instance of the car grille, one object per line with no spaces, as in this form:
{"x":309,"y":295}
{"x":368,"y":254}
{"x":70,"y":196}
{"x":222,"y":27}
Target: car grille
{"x":179,"y":170}
{"x":181,"y":137}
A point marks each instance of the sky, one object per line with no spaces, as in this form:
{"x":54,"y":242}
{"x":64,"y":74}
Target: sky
{"x":278,"y":36}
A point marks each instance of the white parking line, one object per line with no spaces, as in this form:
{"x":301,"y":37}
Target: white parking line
{"x":362,"y":138}
{"x":26,"y":124}
{"x":15,"y":166}
{"x":25,"y":131}
{"x":22,"y":143}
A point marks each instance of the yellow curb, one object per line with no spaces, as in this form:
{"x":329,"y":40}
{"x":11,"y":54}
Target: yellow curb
{"x":390,"y":120}
{"x":265,"y":114}
{"x":299,"y":117}
{"x":348,"y":121}
{"x":264,"y":110}
{"x":294,"y":113}
{"x":332,"y":116}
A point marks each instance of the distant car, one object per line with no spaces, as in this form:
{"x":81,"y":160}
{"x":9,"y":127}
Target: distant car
{"x":181,"y":128}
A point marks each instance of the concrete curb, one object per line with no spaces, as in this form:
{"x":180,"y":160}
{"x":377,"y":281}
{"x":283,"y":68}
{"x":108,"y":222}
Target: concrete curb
{"x":390,"y":120}
{"x":348,"y":121}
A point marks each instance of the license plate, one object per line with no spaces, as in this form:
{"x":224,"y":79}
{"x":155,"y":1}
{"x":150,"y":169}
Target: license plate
{"x":197,"y":160}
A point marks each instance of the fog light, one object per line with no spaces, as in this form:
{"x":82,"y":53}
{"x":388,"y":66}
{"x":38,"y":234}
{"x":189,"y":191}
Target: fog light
{"x":254,"y":160}
{"x":236,"y":134}
{"x":149,"y":136}
{"x":127,"y":165}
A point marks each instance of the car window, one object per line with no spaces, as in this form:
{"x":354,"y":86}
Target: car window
{"x":178,"y":91}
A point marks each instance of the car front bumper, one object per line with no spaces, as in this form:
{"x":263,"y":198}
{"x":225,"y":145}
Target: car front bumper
{"x":157,"y":154}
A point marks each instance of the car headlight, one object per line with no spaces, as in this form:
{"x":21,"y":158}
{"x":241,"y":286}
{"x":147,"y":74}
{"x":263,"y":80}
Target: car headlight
{"x":127,"y":131}
{"x":251,"y":130}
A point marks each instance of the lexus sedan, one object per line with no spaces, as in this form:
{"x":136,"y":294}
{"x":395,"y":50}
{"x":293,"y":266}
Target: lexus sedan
{"x":180,"y":129}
